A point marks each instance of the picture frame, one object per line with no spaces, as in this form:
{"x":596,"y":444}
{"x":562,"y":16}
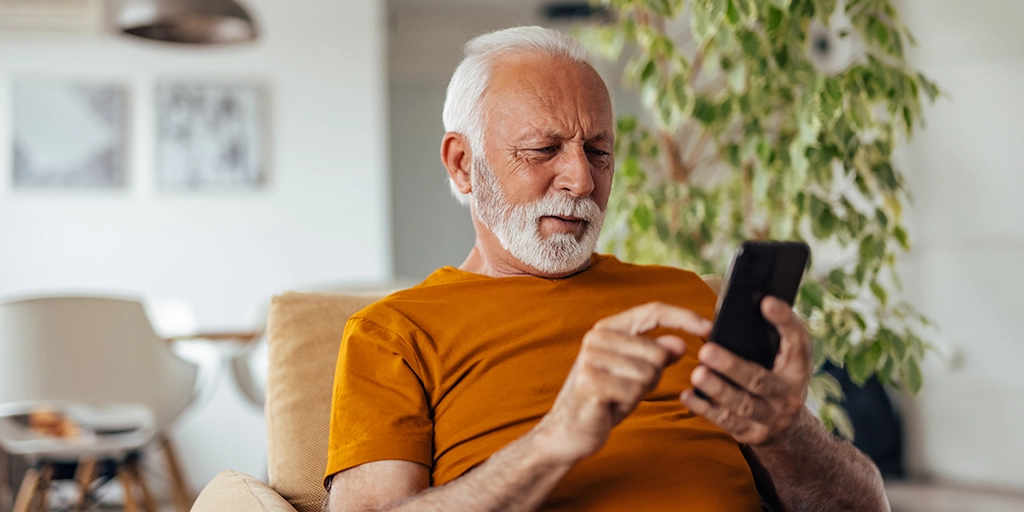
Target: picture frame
{"x":211,"y":135}
{"x":69,"y":134}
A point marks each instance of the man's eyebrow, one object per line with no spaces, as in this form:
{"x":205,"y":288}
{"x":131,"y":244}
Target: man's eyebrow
{"x":532,"y":134}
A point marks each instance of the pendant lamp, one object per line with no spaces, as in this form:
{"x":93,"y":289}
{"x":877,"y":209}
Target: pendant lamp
{"x":187,"y":21}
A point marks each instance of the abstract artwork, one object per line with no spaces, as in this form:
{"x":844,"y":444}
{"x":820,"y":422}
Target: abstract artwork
{"x":69,"y":135}
{"x":210,"y":136}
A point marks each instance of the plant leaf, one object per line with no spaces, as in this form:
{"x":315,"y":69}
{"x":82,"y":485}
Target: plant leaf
{"x":841,"y":421}
{"x":911,"y":374}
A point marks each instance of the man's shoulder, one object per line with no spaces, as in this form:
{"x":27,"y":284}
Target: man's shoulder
{"x":431,"y":292}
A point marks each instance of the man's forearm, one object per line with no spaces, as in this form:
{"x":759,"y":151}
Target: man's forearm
{"x":516,"y":478}
{"x":814,"y":471}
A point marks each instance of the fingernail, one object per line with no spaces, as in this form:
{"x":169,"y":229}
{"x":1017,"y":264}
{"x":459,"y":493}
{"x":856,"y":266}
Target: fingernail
{"x":672,"y":344}
{"x":698,"y":375}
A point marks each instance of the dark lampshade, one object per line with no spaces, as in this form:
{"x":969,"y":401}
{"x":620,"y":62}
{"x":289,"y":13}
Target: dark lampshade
{"x":187,"y":21}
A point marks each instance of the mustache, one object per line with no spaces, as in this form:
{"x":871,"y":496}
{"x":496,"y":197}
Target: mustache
{"x":583,"y":208}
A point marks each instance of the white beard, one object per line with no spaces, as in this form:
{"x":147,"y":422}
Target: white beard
{"x":517,"y":227}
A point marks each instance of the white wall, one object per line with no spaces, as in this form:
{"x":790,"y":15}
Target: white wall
{"x":967,"y":266}
{"x":324,"y":217}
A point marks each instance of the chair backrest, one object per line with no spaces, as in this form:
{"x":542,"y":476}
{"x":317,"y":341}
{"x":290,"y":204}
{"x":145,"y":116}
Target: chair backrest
{"x":249,"y":369}
{"x":249,"y":366}
{"x":304,"y":333}
{"x":90,"y":349}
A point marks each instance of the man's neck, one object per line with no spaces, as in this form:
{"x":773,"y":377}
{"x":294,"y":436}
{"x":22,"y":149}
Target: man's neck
{"x":480,"y":261}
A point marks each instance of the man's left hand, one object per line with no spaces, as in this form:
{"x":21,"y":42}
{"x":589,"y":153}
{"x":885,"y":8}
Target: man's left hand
{"x":757,"y":406}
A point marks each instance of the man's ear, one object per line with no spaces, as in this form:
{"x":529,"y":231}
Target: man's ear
{"x":457,"y":158}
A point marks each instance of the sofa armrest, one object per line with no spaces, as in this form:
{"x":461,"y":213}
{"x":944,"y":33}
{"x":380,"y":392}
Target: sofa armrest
{"x":231,"y":491}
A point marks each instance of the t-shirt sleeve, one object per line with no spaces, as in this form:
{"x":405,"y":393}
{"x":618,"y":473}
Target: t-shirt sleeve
{"x":379,"y":409}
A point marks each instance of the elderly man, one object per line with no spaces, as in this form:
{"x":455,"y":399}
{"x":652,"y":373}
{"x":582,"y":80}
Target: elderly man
{"x":539,"y":375}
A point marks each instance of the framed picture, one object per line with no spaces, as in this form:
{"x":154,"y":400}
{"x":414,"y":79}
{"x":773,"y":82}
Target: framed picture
{"x":69,"y":134}
{"x":211,"y":135}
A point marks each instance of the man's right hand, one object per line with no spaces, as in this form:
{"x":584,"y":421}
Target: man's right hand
{"x":615,"y":368}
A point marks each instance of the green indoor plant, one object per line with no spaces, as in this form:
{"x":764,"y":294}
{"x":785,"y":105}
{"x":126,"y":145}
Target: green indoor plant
{"x":775,"y":119}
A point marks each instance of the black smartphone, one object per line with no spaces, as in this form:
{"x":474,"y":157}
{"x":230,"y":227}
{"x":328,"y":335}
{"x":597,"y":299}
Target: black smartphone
{"x":757,"y":269}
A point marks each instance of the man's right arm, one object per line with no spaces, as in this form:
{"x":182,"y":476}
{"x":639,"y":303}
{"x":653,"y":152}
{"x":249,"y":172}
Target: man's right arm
{"x":517,"y":477}
{"x":614,"y":369}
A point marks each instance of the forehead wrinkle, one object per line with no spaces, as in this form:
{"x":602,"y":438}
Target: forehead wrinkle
{"x":529,"y":99}
{"x":556,"y":131}
{"x":551,"y":121}
{"x":570,"y":113}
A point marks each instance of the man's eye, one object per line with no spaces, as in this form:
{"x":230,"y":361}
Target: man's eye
{"x":548,"y":149}
{"x":597,"y":152}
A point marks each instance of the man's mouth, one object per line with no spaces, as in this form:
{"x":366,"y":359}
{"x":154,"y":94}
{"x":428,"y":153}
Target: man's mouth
{"x":565,"y":222}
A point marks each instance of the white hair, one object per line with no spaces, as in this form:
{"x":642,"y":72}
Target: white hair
{"x":463,"y":112}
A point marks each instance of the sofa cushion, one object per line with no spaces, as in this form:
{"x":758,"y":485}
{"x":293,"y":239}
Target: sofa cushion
{"x":304,"y":333}
{"x":231,"y":491}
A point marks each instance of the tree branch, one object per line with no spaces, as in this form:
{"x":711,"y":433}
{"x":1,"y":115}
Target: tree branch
{"x":678,"y":171}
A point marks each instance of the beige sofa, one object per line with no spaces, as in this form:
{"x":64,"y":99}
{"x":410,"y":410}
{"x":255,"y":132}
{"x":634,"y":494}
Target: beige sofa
{"x":304,"y":332}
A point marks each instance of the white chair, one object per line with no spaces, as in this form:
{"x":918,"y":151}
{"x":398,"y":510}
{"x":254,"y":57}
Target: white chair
{"x":93,"y":350}
{"x":249,"y":365}
{"x":249,"y":369}
{"x":174,"y":319}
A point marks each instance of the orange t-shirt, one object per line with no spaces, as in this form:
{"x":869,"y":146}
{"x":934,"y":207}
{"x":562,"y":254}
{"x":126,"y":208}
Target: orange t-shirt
{"x":450,"y":371}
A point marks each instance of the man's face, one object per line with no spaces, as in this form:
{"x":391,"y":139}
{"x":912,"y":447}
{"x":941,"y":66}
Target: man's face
{"x":543,"y":186}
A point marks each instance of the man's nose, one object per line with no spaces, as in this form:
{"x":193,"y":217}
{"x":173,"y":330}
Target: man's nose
{"x":574,"y":172}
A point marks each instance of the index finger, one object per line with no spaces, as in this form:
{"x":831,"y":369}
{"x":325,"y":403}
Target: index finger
{"x":643,"y":318}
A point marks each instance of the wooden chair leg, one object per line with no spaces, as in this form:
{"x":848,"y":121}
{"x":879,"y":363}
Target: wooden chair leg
{"x":5,"y":481}
{"x":125,"y":476}
{"x":27,"y":492}
{"x":182,"y":496}
{"x":84,"y":474}
{"x":45,"y":477}
{"x":147,"y":499}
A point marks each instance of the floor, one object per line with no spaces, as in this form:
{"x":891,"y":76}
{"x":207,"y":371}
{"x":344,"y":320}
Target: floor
{"x":920,"y":497}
